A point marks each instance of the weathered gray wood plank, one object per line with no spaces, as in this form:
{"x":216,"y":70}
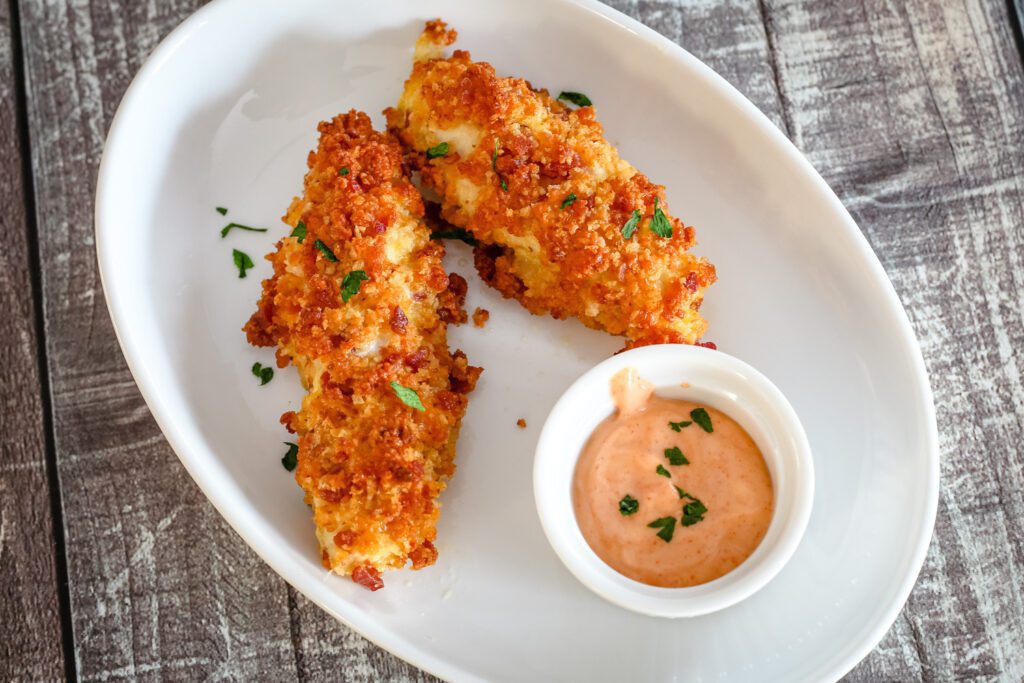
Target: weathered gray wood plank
{"x":160,"y":586}
{"x":29,"y":605}
{"x":914,"y":112}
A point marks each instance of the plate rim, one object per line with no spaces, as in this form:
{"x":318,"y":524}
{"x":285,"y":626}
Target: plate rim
{"x":245,"y":522}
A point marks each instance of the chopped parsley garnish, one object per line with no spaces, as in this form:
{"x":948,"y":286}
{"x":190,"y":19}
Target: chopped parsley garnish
{"x":682,"y":493}
{"x":299,"y":232}
{"x":630,"y":227}
{"x":343,"y":171}
{"x":675,"y":456}
{"x":569,"y":199}
{"x":438,"y":150}
{"x":326,"y":251}
{"x":660,"y":469}
{"x":693,"y":513}
{"x":703,"y":420}
{"x":408,"y":396}
{"x":230,"y":226}
{"x":263,"y":372}
{"x":659,"y":222}
{"x":454,"y":234}
{"x":628,"y":505}
{"x":291,"y":458}
{"x":350,"y":284}
{"x":577,"y":98}
{"x":222,"y":211}
{"x":667,"y":526}
{"x":494,"y":165}
{"x":678,"y":426}
{"x":242,"y":261}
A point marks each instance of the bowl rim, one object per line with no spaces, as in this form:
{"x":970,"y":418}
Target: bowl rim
{"x":707,"y":376}
{"x":220,"y":490}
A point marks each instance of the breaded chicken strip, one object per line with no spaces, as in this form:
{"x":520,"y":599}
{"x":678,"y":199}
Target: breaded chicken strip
{"x":359,"y":302}
{"x":565,"y":226}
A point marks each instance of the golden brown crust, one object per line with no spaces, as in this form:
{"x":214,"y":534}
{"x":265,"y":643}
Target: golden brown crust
{"x":547,"y":197}
{"x":371,"y":466}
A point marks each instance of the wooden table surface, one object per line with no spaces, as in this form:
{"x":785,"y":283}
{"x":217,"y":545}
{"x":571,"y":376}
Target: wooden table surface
{"x":114,"y":566}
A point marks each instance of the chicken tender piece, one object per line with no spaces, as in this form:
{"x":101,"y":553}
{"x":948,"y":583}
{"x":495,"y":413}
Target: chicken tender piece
{"x":564,"y":225}
{"x":359,"y":302}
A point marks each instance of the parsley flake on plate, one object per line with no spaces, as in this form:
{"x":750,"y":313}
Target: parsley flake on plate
{"x":231,"y":226}
{"x":291,"y":458}
{"x":265,"y":373}
{"x":242,"y":262}
{"x":577,"y":98}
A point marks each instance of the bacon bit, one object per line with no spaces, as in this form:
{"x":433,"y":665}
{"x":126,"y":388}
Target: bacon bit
{"x":399,"y":321}
{"x":691,"y":281}
{"x":377,"y":228}
{"x":401,"y":473}
{"x":424,"y":556}
{"x":452,"y":301}
{"x":521,"y":423}
{"x":288,"y":420}
{"x":414,"y":360}
{"x":708,"y":345}
{"x":368,"y":577}
{"x":481,"y":316}
{"x":344,"y":538}
{"x":457,"y":285}
{"x":330,"y":495}
{"x":450,"y":400}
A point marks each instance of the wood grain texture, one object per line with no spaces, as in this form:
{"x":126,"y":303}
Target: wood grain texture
{"x":29,"y":605}
{"x":914,"y":113}
{"x":160,"y":587}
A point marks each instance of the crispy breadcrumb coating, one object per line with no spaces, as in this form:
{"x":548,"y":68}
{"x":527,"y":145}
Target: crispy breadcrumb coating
{"x":371,"y":466}
{"x":547,"y":197}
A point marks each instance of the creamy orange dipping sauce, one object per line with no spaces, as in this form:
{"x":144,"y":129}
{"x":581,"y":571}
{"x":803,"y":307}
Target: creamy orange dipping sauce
{"x":718,"y":506}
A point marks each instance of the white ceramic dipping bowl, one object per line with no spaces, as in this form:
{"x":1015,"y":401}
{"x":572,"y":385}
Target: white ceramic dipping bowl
{"x":714,"y":379}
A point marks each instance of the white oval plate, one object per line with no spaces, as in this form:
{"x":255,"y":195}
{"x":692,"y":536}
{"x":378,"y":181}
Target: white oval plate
{"x":224,"y":113}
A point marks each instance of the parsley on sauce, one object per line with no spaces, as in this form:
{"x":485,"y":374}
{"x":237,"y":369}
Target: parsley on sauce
{"x":628,"y":505}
